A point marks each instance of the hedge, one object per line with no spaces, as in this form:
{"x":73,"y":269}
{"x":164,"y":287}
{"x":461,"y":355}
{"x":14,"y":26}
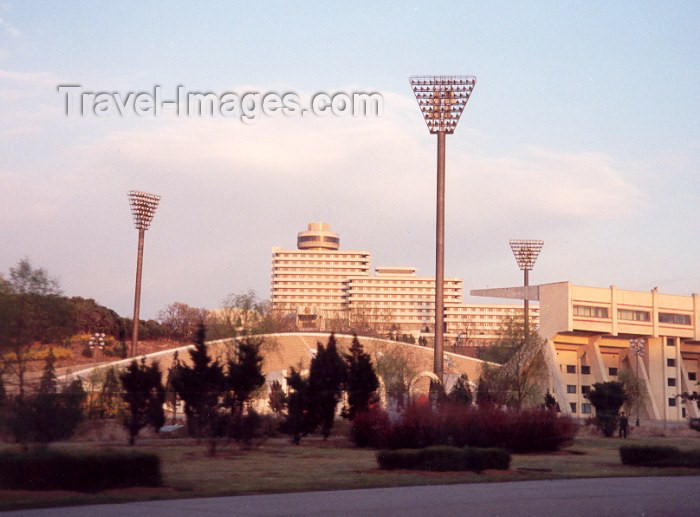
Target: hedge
{"x":656,"y":456}
{"x":93,"y":471}
{"x":420,"y":426}
{"x":444,"y":458}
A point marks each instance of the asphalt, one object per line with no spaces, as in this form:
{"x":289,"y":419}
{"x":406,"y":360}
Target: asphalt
{"x":615,"y":497}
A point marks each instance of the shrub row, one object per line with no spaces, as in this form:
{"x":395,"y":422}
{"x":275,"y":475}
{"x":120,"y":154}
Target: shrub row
{"x":421,"y":426}
{"x":443,"y":458}
{"x":656,"y":456}
{"x":55,"y":470}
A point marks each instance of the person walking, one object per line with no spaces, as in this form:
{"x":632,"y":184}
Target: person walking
{"x":624,"y":422}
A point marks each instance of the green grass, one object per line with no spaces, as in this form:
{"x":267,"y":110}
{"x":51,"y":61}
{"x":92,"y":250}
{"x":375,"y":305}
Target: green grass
{"x":316,"y":465}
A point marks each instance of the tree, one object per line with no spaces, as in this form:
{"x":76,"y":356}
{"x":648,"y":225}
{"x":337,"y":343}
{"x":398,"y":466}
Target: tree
{"x":200,"y":387}
{"x":179,"y":320}
{"x":397,"y":365}
{"x":301,"y":417}
{"x":486,"y":393}
{"x":461,"y":392}
{"x":49,"y":415}
{"x":633,"y":387}
{"x":171,"y":397}
{"x":326,"y":378}
{"x":144,"y":396}
{"x":26,"y":279}
{"x":520,"y":379}
{"x":109,"y":397}
{"x":362,"y":382}
{"x":277,"y":400}
{"x":607,"y":398}
{"x":243,"y":378}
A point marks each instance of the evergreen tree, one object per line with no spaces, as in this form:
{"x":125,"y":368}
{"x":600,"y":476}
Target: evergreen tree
{"x":243,"y":377}
{"x":277,"y":399}
{"x":362,"y":382}
{"x":171,"y":397}
{"x":485,"y":397}
{"x":144,"y":395}
{"x":48,"y":384}
{"x":244,"y":374}
{"x":200,"y":387}
{"x":301,"y":418}
{"x":326,"y":378}
{"x":461,"y":392}
{"x":109,"y":397}
{"x":607,"y":398}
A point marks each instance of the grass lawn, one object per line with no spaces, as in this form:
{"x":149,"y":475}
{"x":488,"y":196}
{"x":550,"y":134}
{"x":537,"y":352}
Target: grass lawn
{"x":278,"y":466}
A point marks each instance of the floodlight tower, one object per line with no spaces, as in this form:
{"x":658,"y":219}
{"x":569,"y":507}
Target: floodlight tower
{"x":143,"y":208}
{"x":441,"y":99}
{"x":526,"y":253}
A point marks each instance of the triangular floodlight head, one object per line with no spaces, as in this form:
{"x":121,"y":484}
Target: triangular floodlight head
{"x":442,"y":99}
{"x":526,"y":252}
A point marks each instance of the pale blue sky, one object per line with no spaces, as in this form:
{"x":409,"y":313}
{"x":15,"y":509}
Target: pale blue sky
{"x":583,"y":130}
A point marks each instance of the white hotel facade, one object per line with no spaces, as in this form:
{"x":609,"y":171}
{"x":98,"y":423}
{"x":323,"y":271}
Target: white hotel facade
{"x":326,"y":288}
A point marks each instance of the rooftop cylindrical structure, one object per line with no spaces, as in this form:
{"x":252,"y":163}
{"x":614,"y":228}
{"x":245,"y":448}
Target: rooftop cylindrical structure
{"x":318,"y":236}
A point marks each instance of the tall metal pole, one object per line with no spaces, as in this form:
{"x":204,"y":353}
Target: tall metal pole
{"x":638,"y":395}
{"x":440,"y":259}
{"x":143,"y":208}
{"x":526,"y":306}
{"x":137,"y":294}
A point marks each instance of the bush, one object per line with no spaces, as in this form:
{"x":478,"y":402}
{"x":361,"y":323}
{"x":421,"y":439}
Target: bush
{"x":656,"y":456}
{"x":444,"y":458}
{"x":420,"y":426}
{"x":55,"y":470}
{"x":369,"y":428}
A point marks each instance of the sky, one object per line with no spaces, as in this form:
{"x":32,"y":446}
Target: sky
{"x":583,"y":130}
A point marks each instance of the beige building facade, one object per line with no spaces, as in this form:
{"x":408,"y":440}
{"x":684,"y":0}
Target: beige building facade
{"x":332,"y":289}
{"x":589,"y":332}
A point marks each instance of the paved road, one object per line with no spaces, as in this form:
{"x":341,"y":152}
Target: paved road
{"x":615,"y":497}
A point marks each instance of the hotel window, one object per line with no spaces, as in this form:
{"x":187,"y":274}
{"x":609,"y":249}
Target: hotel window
{"x":692,"y":376}
{"x":672,"y":401}
{"x":590,"y":311}
{"x":570,"y":368}
{"x":573,"y":407}
{"x":571,"y":388}
{"x":586,"y":408}
{"x":585,"y":370}
{"x":675,"y":319}
{"x":671,"y":381}
{"x":585,"y":390}
{"x":670,"y":362}
{"x":612,"y":371}
{"x":626,"y":314}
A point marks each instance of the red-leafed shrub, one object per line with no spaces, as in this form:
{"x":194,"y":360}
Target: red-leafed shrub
{"x":369,"y":428}
{"x":518,"y":431}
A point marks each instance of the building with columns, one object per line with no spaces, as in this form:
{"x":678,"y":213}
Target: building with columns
{"x":589,"y":331}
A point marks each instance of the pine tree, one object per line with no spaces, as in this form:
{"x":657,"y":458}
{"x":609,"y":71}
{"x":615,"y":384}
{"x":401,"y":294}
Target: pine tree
{"x":607,"y":398}
{"x":243,"y":377}
{"x":48,"y":384}
{"x":144,"y":396}
{"x":301,"y":418}
{"x":327,"y":375}
{"x":108,"y":399}
{"x":362,"y":381}
{"x":277,"y":400}
{"x":461,"y":392}
{"x":200,"y":387}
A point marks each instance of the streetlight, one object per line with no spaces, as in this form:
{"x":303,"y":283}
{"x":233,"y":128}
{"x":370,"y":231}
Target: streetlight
{"x":143,"y":208}
{"x":441,"y":99}
{"x":526,"y":253}
{"x":97,"y":340}
{"x":637,"y":346}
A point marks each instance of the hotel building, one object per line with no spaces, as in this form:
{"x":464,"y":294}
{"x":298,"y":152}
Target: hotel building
{"x":589,"y":332}
{"x":327,"y":288}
